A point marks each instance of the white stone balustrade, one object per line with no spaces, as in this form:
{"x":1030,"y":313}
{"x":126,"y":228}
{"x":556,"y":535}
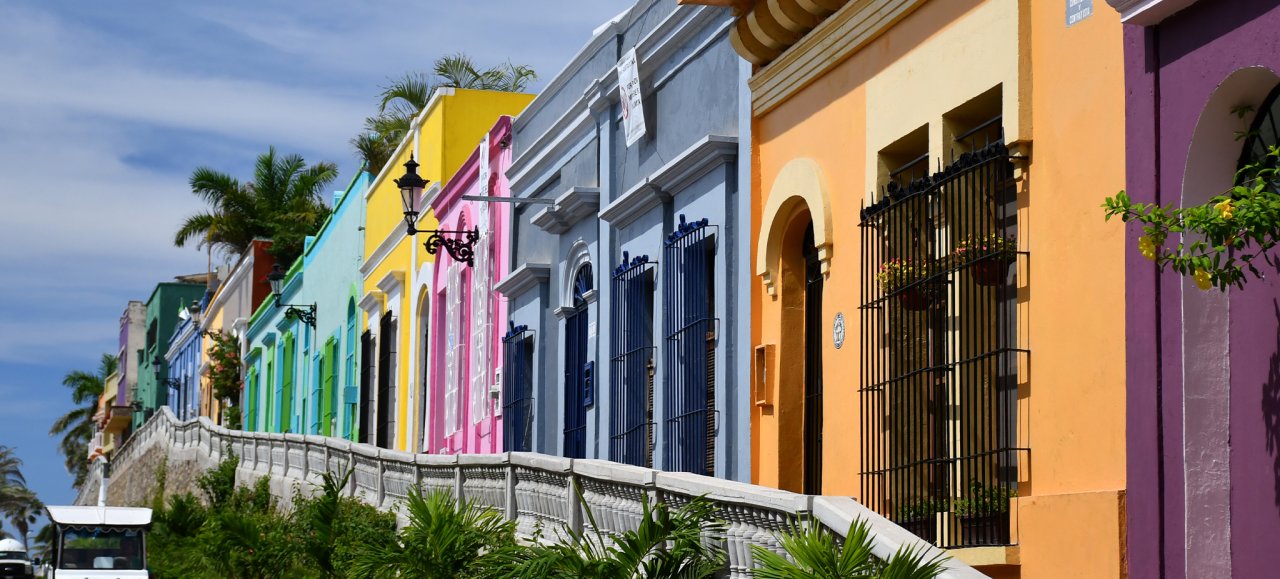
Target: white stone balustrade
{"x":539,"y":492}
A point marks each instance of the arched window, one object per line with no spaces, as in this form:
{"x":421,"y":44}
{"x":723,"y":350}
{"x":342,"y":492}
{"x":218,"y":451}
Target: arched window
{"x":1265,"y":132}
{"x":349,"y":373}
{"x":578,"y":368}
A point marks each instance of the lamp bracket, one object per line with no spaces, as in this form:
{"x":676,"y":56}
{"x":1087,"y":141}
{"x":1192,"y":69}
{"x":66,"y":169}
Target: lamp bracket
{"x":461,"y":249}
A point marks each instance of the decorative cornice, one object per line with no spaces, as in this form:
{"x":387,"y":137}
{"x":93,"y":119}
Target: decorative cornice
{"x":523,"y":279}
{"x":1147,"y":12}
{"x":670,"y":179}
{"x":570,"y":207}
{"x":392,"y":281}
{"x":848,"y":30}
{"x":384,"y":249}
{"x":372,"y":302}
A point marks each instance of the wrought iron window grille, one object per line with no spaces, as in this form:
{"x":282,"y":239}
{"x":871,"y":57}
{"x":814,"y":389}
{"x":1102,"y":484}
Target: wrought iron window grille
{"x":940,"y":352}
{"x":633,"y":349}
{"x":517,"y":388}
{"x":690,"y":328}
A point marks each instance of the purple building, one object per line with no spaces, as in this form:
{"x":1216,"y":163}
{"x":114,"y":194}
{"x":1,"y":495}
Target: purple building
{"x":1204,"y":367}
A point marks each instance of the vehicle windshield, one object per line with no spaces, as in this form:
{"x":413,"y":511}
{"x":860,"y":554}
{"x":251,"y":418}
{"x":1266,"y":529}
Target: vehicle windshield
{"x":101,"y":549}
{"x":11,"y":555}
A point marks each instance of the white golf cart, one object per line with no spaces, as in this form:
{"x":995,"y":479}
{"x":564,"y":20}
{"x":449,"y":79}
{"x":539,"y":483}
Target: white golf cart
{"x":99,"y":542}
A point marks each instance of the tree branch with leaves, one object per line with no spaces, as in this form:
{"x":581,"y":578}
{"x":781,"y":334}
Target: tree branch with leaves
{"x":1222,"y":240}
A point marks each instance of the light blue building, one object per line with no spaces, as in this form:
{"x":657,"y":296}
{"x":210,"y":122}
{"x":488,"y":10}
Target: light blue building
{"x":302,"y":374}
{"x":628,"y":300}
{"x":334,"y":284}
{"x":183,"y":357}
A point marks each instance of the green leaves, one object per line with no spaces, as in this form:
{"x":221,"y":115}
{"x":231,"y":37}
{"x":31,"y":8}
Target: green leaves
{"x":815,"y":554}
{"x":1221,"y":238}
{"x":283,"y":203}
{"x":403,"y":98}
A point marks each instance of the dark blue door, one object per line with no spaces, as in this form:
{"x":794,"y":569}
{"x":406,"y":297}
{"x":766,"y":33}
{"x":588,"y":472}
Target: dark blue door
{"x":577,"y":368}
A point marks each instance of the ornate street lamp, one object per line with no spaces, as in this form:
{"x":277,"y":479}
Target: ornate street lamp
{"x":461,"y":248}
{"x":306,"y":313}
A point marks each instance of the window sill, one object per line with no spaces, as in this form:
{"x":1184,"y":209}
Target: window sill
{"x":987,"y":556}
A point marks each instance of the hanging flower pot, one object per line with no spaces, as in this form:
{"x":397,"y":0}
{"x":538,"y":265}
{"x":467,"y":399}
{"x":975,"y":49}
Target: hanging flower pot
{"x":991,"y":271}
{"x":1000,"y":252}
{"x":915,"y":299}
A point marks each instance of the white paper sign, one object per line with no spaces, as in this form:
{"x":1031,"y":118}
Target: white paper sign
{"x":632,"y":100}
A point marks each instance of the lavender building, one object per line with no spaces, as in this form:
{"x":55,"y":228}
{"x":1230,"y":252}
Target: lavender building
{"x":1204,"y":367}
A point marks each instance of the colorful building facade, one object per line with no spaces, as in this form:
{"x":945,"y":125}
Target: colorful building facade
{"x":441,"y":138}
{"x":132,"y":343}
{"x":332,"y":283}
{"x":627,"y":293}
{"x":938,"y":306}
{"x":460,"y":339}
{"x":239,"y":293}
{"x":183,"y":355}
{"x":162,"y":317}
{"x":1203,"y":384}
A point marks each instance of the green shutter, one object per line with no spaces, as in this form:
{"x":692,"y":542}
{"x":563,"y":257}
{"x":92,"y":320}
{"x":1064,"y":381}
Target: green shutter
{"x":286,"y":396}
{"x":326,"y":389}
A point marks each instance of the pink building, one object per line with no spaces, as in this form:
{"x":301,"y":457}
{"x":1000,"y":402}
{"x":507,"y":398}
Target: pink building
{"x":466,"y":313}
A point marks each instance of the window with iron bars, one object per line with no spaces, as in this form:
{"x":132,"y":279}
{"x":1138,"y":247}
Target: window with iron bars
{"x":940,"y":352}
{"x":517,"y":389}
{"x":689,"y":367}
{"x":631,"y":393}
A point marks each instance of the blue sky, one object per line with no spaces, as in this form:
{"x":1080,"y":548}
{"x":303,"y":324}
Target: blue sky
{"x":106,"y":107}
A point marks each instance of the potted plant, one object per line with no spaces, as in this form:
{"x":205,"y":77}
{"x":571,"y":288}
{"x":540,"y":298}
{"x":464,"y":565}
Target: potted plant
{"x":920,"y":517}
{"x":994,"y":254}
{"x":900,"y":276}
{"x":983,"y":514}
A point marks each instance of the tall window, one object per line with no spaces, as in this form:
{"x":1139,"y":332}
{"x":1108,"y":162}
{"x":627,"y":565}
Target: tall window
{"x":368,"y":408}
{"x":481,"y":329}
{"x":455,"y":348}
{"x":631,"y":388}
{"x":386,"y":420}
{"x":579,"y":370}
{"x":286,"y":393}
{"x":689,"y":372}
{"x":517,"y":389}
{"x":349,"y":373}
{"x":938,"y":388}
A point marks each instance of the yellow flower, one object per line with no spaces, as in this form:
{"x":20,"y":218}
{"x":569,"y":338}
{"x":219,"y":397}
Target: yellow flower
{"x":1203,"y":280}
{"x":1225,"y":209}
{"x":1147,"y":246}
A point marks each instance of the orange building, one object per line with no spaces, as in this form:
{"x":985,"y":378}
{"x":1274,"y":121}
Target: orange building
{"x":939,"y":311}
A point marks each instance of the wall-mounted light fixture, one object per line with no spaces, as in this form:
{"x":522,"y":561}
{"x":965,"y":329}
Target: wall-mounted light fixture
{"x":305,"y":313}
{"x":459,"y":244}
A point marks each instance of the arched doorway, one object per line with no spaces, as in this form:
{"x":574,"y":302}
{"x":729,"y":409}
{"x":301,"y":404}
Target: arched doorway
{"x":578,"y":369}
{"x":1230,"y":503}
{"x":812,"y":364}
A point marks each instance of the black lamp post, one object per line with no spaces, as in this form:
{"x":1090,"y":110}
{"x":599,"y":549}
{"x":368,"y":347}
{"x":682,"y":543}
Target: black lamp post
{"x":306,"y":313}
{"x":461,"y":248}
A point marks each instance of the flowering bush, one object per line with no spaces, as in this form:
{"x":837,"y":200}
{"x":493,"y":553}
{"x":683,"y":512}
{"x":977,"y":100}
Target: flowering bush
{"x":1230,"y":231}
{"x":993,"y":244}
{"x":895,"y":273}
{"x":224,"y":366}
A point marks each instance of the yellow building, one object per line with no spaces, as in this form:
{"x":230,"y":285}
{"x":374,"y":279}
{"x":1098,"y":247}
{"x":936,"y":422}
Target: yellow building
{"x":112,"y":417}
{"x":443,"y":135}
{"x":938,"y":318}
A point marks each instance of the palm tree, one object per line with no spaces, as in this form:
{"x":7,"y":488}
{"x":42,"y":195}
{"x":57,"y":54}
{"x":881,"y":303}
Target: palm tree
{"x":667,"y":544}
{"x":284,"y":203}
{"x":816,"y":554}
{"x":24,"y":513}
{"x":17,"y":502}
{"x":76,"y":427}
{"x":405,"y":97}
{"x":443,"y":539}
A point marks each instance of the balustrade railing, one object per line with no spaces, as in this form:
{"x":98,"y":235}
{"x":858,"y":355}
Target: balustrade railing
{"x":540,"y":492}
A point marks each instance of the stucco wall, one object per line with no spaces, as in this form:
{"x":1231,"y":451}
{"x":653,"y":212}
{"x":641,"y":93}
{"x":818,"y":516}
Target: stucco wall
{"x":1180,"y":428}
{"x":1060,"y":91}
